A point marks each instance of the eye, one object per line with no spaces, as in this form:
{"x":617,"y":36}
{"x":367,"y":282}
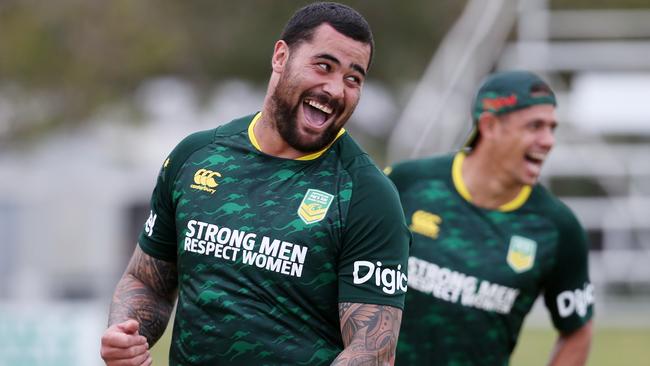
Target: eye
{"x":354,"y":79}
{"x":324,"y":66}
{"x":535,"y":125}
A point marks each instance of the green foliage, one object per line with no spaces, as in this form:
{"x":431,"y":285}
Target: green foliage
{"x":84,"y":53}
{"x":76,"y":55}
{"x":124,"y":41}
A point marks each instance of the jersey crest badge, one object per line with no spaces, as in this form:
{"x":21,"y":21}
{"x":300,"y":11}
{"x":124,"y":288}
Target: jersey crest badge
{"x":521,"y":253}
{"x":314,"y":206}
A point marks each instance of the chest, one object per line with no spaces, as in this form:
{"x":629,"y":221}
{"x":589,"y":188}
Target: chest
{"x":238,"y":211}
{"x":513,"y":249}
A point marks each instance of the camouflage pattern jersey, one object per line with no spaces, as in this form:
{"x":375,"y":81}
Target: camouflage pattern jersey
{"x":475,"y":273}
{"x":267,"y":247}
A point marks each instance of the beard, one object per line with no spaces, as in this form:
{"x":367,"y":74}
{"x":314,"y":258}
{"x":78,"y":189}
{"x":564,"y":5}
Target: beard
{"x":286,"y":118}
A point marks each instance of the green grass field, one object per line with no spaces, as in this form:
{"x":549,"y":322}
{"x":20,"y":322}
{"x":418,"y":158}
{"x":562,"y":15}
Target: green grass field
{"x":611,"y":346}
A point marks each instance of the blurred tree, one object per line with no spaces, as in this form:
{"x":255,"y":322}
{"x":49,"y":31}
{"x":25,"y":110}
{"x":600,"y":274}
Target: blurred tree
{"x":60,"y":61}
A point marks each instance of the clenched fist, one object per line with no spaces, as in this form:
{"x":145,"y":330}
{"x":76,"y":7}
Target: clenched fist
{"x":122,"y":345}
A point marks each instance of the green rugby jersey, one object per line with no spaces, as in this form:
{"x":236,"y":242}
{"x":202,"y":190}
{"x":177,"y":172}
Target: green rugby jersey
{"x":475,"y":273}
{"x":267,"y":247}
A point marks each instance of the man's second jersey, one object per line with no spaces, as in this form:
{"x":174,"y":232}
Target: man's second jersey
{"x":475,"y":273}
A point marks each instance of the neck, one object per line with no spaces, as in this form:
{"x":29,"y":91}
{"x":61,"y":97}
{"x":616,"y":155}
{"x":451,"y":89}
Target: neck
{"x":269,"y":139}
{"x":488,"y":184}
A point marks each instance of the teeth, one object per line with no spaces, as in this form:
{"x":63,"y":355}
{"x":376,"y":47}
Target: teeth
{"x":537,"y":156}
{"x":321,"y":107}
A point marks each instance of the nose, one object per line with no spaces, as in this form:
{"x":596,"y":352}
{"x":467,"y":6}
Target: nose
{"x":334,"y":88}
{"x":547,"y":138}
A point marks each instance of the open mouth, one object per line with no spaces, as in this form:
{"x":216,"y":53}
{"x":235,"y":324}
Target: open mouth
{"x":535,"y":158}
{"x":317,"y":114}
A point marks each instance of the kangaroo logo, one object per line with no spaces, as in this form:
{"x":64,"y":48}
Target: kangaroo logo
{"x":204,"y":180}
{"x":314,"y":206}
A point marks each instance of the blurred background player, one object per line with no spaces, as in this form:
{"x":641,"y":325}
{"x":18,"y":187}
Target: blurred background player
{"x":488,"y":239}
{"x":284,"y":242}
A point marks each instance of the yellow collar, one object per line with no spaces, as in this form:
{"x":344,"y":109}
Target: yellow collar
{"x":459,"y":183}
{"x":312,"y":156}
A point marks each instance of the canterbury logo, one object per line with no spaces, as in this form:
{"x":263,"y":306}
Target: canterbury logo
{"x":426,"y":223}
{"x":204,"y":180}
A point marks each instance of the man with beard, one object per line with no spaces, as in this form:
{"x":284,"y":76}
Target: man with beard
{"x":487,"y":239}
{"x":282,"y":240}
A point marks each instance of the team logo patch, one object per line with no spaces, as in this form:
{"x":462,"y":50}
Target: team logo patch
{"x":499,"y":103}
{"x":314,"y":206}
{"x":521,"y":253}
{"x":204,"y":180}
{"x":425,"y":223}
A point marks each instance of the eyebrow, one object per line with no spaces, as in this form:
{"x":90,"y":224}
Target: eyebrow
{"x":354,"y":66}
{"x":554,"y":123}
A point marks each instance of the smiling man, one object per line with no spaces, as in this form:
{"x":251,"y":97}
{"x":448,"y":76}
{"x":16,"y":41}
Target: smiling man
{"x":282,"y":241}
{"x":487,"y":239}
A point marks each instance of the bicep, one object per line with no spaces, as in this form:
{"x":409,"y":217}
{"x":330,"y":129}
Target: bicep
{"x":158,"y":275}
{"x":374,"y":326}
{"x":585,"y":332}
{"x":573,"y":348}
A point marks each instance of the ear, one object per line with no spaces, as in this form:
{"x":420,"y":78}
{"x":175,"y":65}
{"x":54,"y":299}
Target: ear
{"x":487,"y":125}
{"x":280,"y":56}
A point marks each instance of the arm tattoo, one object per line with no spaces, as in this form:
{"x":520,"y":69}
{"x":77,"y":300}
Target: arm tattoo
{"x":146,"y":293}
{"x":369,"y":334}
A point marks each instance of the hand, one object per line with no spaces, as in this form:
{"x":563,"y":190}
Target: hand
{"x":122,"y":345}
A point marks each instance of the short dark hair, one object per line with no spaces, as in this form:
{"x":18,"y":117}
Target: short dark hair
{"x":343,"y":18}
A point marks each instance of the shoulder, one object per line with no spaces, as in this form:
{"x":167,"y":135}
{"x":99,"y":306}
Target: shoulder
{"x":572,"y":235}
{"x":198,"y":140}
{"x":184,"y":150}
{"x":193,"y":142}
{"x":351,"y":155}
{"x":367,"y":179}
{"x":357,"y":163}
{"x":553,"y":208}
{"x":405,"y":172}
{"x":433,"y":166}
{"x":235,"y":126}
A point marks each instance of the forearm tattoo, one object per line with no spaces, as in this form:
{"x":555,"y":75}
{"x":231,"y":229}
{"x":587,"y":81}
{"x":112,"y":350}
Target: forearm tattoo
{"x":369,"y":334}
{"x":146,"y":292}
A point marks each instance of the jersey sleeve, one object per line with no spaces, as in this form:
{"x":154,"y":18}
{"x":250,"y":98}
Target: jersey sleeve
{"x":158,"y":237}
{"x":568,"y":293}
{"x":396,"y":174}
{"x":376,"y":240}
{"x":404,"y":174}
